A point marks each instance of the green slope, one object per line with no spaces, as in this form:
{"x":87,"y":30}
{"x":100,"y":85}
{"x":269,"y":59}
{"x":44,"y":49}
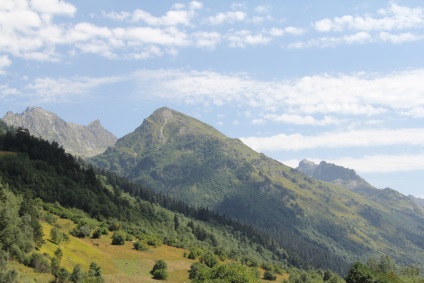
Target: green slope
{"x":318,"y":223}
{"x":38,"y":179}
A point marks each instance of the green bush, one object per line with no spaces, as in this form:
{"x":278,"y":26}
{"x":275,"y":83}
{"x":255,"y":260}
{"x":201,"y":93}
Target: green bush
{"x":40,"y":263}
{"x":269,"y":275}
{"x":160,"y":274}
{"x":118,"y":238}
{"x":140,"y":246}
{"x":209,"y":259}
{"x":159,"y":270}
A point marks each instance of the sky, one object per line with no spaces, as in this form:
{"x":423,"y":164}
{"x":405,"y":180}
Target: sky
{"x":340,"y":81}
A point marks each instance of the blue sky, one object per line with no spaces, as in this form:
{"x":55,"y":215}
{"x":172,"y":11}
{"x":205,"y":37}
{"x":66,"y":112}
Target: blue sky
{"x":322,"y":80}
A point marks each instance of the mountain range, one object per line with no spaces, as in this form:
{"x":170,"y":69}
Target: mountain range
{"x":326,"y":217}
{"x":319,"y":223}
{"x":348,"y":179}
{"x":84,"y":141}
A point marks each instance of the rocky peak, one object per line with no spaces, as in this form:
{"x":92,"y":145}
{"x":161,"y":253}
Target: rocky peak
{"x":307,"y":167}
{"x":77,"y":139}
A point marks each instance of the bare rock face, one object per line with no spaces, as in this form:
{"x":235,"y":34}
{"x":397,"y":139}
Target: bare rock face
{"x":84,"y":141}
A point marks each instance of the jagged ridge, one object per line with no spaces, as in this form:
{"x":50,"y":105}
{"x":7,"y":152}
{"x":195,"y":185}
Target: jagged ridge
{"x":85,"y":141}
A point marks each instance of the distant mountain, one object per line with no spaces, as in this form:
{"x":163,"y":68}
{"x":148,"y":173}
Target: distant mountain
{"x":348,"y":179}
{"x":418,"y":201}
{"x":84,"y":141}
{"x":334,"y":174}
{"x":318,"y":223}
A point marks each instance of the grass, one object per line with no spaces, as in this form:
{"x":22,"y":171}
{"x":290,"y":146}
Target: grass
{"x":118,"y":263}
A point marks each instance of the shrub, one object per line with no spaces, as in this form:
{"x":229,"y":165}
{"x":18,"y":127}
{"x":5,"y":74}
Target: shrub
{"x":40,"y":263}
{"x":268,"y":275}
{"x":81,"y":231}
{"x":209,"y":259}
{"x":154,"y":242}
{"x":118,"y":238}
{"x":159,"y":270}
{"x":160,"y":274}
{"x":140,"y":246}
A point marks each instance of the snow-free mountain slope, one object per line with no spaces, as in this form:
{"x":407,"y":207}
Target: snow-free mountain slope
{"x":85,"y":141}
{"x":319,"y":224}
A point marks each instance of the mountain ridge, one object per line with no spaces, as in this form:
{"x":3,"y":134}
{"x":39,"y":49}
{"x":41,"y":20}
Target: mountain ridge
{"x":350,"y":180}
{"x":178,"y":155}
{"x":84,"y":141}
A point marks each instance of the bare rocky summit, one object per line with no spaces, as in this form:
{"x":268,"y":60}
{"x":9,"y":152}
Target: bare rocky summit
{"x":84,"y":141}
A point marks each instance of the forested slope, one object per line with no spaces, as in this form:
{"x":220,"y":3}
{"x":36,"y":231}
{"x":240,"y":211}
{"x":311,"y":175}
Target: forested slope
{"x":319,"y":224}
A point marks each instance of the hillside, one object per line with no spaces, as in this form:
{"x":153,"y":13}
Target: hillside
{"x":44,"y":189}
{"x":78,"y":140}
{"x":348,"y":179}
{"x":319,"y":224}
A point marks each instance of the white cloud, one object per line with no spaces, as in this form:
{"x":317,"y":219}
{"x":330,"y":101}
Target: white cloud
{"x":243,"y":38}
{"x":227,"y":17}
{"x":207,"y":39}
{"x":400,"y":38}
{"x":328,"y":41}
{"x":6,"y":91}
{"x":4,"y":62}
{"x":355,"y":138}
{"x":294,"y":30}
{"x":178,"y":15}
{"x":53,"y":90}
{"x":262,"y":9}
{"x":116,"y":16}
{"x":369,"y":96}
{"x":395,"y":17}
{"x":298,"y":119}
{"x":53,"y":7}
{"x":396,"y":24}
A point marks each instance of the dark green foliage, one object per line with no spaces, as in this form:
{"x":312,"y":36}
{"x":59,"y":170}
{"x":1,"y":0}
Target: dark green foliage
{"x":234,"y":273}
{"x":199,"y":272}
{"x":77,"y":275}
{"x":83,"y":230}
{"x":62,"y":275}
{"x":16,"y":233}
{"x":57,"y":236}
{"x":209,"y":259}
{"x":118,"y":238}
{"x":194,"y":253}
{"x":140,"y":246}
{"x":97,"y":234}
{"x":154,"y":241}
{"x":382,"y":270}
{"x":159,"y":270}
{"x":52,"y":175}
{"x":54,"y":265}
{"x":94,"y":273}
{"x":269,"y":275}
{"x":160,"y":274}
{"x":6,"y":275}
{"x":40,"y":263}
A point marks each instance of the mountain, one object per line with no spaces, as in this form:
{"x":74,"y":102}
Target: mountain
{"x":58,"y":214}
{"x":84,"y":141}
{"x":335,"y":174}
{"x":318,"y":223}
{"x":418,"y":201}
{"x":348,"y":179}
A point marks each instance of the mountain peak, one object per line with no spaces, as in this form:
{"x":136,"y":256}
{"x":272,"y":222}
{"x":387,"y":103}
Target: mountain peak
{"x":333,"y":173}
{"x":76,"y":139}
